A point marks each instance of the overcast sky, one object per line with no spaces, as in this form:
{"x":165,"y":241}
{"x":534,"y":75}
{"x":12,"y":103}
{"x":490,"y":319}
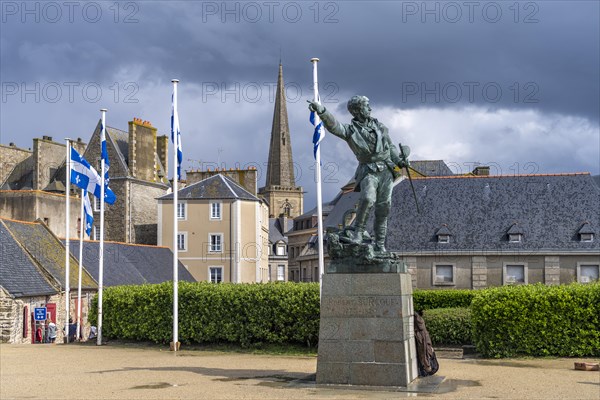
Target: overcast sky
{"x":514,"y":85}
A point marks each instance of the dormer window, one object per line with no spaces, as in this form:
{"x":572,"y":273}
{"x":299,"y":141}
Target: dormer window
{"x":586,"y":232}
{"x":443,"y":234}
{"x":515,"y":233}
{"x":515,"y":237}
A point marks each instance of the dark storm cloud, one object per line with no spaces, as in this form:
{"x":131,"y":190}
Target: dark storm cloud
{"x":540,"y":55}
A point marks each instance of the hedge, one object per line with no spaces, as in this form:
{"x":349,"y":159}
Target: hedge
{"x":236,"y":313}
{"x":442,"y":298}
{"x":537,"y":320}
{"x":449,"y":325}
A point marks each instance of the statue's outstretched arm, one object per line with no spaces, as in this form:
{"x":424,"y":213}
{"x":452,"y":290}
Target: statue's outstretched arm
{"x":329,"y":121}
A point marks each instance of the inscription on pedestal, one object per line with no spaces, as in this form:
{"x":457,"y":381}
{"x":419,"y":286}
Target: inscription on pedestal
{"x":362,"y":306}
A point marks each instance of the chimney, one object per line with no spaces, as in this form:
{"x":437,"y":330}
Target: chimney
{"x":162,"y":149}
{"x":12,"y":144}
{"x":283,"y":220}
{"x":47,"y":138}
{"x":482,"y":170}
{"x":142,"y":150}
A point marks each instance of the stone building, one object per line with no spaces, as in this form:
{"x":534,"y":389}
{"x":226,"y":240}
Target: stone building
{"x":280,"y":190}
{"x":138,"y":175}
{"x":477,"y":230}
{"x":32,"y":184}
{"x":223,"y":231}
{"x":481,"y":231}
{"x":33,"y":275}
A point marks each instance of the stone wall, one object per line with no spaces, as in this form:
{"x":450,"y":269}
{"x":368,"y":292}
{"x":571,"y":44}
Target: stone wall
{"x":162,"y":150}
{"x":11,"y":156}
{"x":246,"y":178}
{"x":11,"y":316}
{"x":28,"y":205}
{"x":48,"y":157}
{"x":144,"y":211}
{"x":116,"y":215}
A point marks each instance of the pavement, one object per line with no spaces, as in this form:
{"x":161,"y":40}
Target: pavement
{"x":85,"y":371}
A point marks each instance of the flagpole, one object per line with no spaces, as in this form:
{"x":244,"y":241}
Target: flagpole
{"x":175,"y":222}
{"x":314,"y":61}
{"x":101,"y":245}
{"x":81,"y":228}
{"x":67,"y":250}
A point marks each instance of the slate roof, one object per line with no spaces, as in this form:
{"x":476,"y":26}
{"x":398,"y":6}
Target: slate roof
{"x":596,"y":179}
{"x":277,"y":232}
{"x":431,"y":167}
{"x":126,"y":264}
{"x":48,"y":252}
{"x":215,"y":187}
{"x":20,"y":275}
{"x":479,"y":211}
{"x":343,"y":203}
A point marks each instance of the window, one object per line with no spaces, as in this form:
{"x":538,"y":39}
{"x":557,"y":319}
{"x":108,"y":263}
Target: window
{"x":96,"y":204}
{"x":443,"y":238}
{"x":281,"y":272}
{"x":215,"y":244}
{"x":270,"y":271}
{"x":587,"y":273}
{"x":443,"y":274}
{"x":587,"y":237}
{"x":215,"y":210}
{"x":515,"y":237}
{"x":281,"y":249}
{"x":514,"y":274}
{"x":215,"y":274}
{"x":96,"y":233}
{"x":181,"y":210}
{"x":182,"y":241}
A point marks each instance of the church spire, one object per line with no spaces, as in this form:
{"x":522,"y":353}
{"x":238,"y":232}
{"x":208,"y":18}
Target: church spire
{"x":280,"y":168}
{"x":280,"y":190}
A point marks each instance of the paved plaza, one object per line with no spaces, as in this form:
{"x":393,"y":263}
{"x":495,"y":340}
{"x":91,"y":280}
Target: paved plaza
{"x":85,"y":371}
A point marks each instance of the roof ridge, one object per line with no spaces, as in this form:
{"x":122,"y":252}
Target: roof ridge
{"x":238,"y":186}
{"x":123,"y":243}
{"x":228,"y":186}
{"x":37,"y":191}
{"x":502,"y":176}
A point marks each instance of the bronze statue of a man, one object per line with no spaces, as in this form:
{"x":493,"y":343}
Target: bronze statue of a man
{"x":377,"y":160}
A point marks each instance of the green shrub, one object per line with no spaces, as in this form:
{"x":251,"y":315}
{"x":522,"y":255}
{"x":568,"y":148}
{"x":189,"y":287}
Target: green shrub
{"x":237,"y":313}
{"x":448,"y":325}
{"x":537,"y":320}
{"x":443,"y":298}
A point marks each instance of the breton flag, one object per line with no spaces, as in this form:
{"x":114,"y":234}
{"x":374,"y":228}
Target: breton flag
{"x":175,"y":131}
{"x":86,"y":177}
{"x":89,"y":215}
{"x":319,"y":134}
{"x":104,"y":156}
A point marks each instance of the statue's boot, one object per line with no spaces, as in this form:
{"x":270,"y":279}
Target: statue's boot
{"x":360,"y":223}
{"x":380,"y":233}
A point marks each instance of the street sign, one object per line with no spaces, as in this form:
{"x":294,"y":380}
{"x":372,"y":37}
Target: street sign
{"x":39,"y":313}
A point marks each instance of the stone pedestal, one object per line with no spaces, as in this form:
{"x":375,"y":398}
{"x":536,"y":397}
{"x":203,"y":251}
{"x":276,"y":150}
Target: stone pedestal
{"x":366,"y":332}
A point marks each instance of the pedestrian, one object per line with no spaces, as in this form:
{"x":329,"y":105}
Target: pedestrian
{"x":51,"y":332}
